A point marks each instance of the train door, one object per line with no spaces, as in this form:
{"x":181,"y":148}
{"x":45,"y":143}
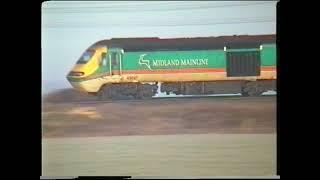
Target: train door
{"x":115,"y":56}
{"x":104,"y":64}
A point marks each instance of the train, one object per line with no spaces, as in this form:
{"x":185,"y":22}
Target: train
{"x":140,"y":67}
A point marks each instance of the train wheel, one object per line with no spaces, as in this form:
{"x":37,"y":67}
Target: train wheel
{"x":104,"y":93}
{"x":244,"y":93}
{"x":145,"y":91}
{"x":251,"y":89}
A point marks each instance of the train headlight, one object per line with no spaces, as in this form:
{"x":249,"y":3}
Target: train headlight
{"x":74,"y":73}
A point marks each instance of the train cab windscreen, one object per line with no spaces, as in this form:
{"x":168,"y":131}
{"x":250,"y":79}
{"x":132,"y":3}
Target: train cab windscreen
{"x":86,"y":56}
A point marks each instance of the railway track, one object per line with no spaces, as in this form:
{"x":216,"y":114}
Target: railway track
{"x":176,"y":98}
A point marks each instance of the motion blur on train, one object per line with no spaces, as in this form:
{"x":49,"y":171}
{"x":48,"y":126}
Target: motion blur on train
{"x":135,"y":67}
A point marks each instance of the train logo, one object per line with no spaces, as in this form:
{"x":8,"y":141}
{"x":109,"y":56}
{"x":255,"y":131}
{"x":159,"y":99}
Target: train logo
{"x":144,"y":61}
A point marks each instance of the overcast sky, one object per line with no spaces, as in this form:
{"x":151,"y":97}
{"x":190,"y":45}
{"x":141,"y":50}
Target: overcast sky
{"x":68,"y":28}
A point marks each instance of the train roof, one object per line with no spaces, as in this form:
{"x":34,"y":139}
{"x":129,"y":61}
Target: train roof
{"x":197,"y":43}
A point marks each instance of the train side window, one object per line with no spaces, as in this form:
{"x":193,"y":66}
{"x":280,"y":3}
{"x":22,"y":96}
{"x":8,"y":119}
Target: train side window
{"x":114,"y":58}
{"x":104,"y":59}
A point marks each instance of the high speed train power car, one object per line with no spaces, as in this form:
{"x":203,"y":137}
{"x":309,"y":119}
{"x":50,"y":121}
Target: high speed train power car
{"x":190,"y":66}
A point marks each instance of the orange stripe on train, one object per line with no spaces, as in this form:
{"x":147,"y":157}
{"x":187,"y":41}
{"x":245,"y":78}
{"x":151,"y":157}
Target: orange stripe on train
{"x":164,"y":71}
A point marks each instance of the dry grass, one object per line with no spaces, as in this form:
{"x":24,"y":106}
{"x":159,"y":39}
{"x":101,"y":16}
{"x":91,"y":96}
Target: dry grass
{"x":170,"y":155}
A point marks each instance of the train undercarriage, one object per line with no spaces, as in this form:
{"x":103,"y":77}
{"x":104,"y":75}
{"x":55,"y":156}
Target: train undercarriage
{"x":145,"y":91}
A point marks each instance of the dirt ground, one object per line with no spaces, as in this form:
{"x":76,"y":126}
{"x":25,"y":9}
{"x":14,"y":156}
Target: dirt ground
{"x":188,"y":155}
{"x":160,"y":117}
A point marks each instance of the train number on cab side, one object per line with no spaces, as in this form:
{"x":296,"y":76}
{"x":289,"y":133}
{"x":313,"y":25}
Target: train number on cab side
{"x":132,"y":77}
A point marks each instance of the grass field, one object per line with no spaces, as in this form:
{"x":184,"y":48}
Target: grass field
{"x":161,"y":155}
